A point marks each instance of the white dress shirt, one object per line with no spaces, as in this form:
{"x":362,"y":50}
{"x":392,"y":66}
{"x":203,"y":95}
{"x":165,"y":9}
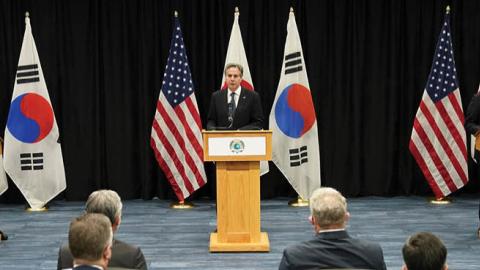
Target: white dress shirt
{"x":237,"y":95}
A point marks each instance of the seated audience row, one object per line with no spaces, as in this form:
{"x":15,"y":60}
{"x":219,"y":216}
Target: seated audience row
{"x":332,"y":247}
{"x":108,"y":203}
{"x":91,"y":243}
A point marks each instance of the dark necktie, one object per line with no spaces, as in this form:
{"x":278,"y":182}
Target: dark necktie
{"x":232,"y":102}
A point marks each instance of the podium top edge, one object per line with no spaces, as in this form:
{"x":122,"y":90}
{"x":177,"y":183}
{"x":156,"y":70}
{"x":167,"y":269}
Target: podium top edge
{"x":236,"y":131}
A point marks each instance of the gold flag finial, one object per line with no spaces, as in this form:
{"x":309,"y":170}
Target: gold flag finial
{"x":448,"y":9}
{"x":175,"y":13}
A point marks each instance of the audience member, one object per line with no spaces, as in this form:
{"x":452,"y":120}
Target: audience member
{"x":108,"y":202}
{"x":472,"y":126}
{"x":90,"y":241}
{"x":424,"y":251}
{"x":3,"y":236}
{"x":332,"y":247}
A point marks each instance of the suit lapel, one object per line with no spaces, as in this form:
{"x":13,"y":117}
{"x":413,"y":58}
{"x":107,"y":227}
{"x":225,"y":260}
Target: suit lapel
{"x":224,"y":102}
{"x":241,"y":100}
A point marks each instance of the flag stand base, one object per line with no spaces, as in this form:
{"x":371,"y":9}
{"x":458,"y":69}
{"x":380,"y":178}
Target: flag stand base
{"x":442,"y":201}
{"x":182,"y":205}
{"x":298,"y":202}
{"x":30,"y":209}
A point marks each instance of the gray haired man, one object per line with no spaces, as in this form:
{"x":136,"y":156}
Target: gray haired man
{"x":332,"y":246}
{"x":108,"y":203}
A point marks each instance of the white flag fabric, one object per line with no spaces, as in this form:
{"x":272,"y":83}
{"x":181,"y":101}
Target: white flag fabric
{"x":295,"y":148}
{"x":236,"y":54}
{"x":3,"y":177}
{"x":33,"y":155}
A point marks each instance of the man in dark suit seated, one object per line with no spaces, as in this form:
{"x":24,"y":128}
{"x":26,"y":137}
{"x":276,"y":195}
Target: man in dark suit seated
{"x":331,"y":247}
{"x":235,"y":107}
{"x":108,"y":202}
{"x":424,"y":251}
{"x":90,"y":240}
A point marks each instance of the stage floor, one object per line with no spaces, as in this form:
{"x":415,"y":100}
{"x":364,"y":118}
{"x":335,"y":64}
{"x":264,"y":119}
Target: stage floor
{"x":179,"y":239}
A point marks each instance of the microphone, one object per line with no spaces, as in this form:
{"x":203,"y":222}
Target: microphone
{"x":229,"y":119}
{"x":230,"y":114}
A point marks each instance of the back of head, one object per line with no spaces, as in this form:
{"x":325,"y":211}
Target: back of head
{"x":105,"y":202}
{"x":424,"y":251}
{"x":328,"y":207}
{"x":88,"y":236}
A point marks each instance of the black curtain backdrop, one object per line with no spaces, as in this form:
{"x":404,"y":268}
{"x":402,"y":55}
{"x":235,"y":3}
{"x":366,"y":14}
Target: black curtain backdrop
{"x":367,"y":63}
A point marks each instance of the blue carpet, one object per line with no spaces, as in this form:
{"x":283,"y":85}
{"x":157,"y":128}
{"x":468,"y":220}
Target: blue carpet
{"x":178,"y":239}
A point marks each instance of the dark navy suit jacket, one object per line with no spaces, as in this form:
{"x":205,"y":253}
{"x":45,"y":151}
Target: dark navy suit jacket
{"x":472,"y":116}
{"x":123,"y":255}
{"x":85,"y":267}
{"x":333,"y":250}
{"x":248,"y":114}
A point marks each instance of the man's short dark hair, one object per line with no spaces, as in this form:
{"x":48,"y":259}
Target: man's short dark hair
{"x":89,"y":235}
{"x":424,"y":251}
{"x":234,"y":65}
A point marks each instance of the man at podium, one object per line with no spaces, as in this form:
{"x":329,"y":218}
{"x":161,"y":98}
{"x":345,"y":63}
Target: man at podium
{"x":235,"y":108}
{"x":472,"y":126}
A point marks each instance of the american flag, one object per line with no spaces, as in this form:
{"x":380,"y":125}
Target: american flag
{"x":438,"y":140}
{"x":176,"y":135}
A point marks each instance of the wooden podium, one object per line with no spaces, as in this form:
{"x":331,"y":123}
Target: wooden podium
{"x":237,"y":155}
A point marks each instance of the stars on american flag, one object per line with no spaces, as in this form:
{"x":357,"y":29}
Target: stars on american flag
{"x":177,"y":82}
{"x":442,"y":80}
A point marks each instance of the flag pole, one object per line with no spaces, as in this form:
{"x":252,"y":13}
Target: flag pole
{"x":443,"y":200}
{"x":28,"y":207}
{"x":181,"y":204}
{"x":297,"y":156}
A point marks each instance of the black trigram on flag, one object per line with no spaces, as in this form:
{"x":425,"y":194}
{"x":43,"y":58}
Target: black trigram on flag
{"x":31,"y":161}
{"x":293,"y":63}
{"x":298,"y":156}
{"x":27,"y":74}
